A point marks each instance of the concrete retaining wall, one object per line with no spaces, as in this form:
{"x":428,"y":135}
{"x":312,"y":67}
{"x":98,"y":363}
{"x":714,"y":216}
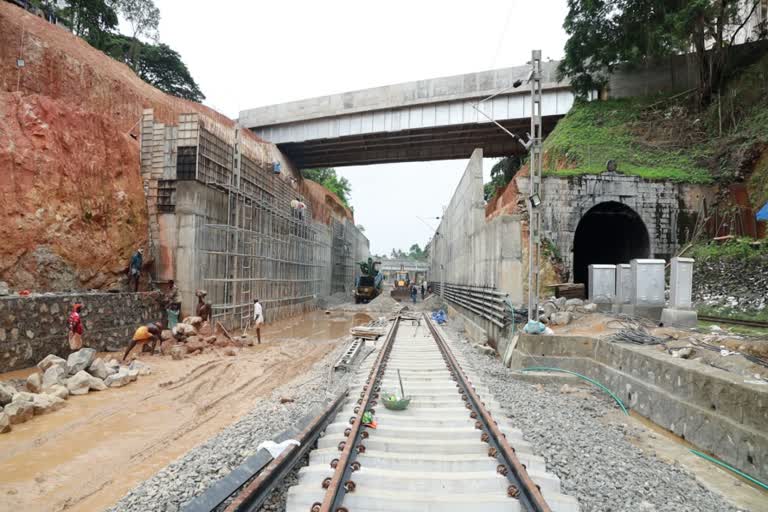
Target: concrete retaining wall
{"x":33,"y":327}
{"x":469,"y":250}
{"x":710,"y":408}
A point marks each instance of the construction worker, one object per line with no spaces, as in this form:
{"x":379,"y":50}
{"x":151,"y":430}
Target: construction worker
{"x":413,"y":293}
{"x":134,"y":269}
{"x":258,"y":318}
{"x":422,"y":290}
{"x":145,"y":334}
{"x":75,"y":331}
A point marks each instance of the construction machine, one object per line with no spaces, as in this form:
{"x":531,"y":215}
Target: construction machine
{"x":401,"y":286}
{"x":369,"y":283}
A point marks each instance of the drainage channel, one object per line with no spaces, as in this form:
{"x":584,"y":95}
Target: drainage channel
{"x":451,"y":450}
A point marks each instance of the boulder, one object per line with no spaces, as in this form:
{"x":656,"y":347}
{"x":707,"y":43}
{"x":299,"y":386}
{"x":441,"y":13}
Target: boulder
{"x":230,"y":351}
{"x":19,"y":412}
{"x":549,"y":308}
{"x":80,"y":360}
{"x":166,"y":346}
{"x":184,"y":330}
{"x":49,"y":361}
{"x":178,"y":352}
{"x":589,"y":308}
{"x":574,"y":302}
{"x":59,"y":391}
{"x":194,"y":321}
{"x":55,"y":374}
{"x":142,"y":368}
{"x":96,"y":384}
{"x":79,"y":383}
{"x":34,"y":383}
{"x":210,"y":339}
{"x":118,"y":380}
{"x":45,"y":403}
{"x":23,"y":396}
{"x":6,"y":394}
{"x":113,"y":364}
{"x":5,"y":423}
{"x":560,"y":318}
{"x":167,"y":334}
{"x":195,"y":346}
{"x":98,"y":369}
{"x":560,"y":302}
{"x":133,"y":375}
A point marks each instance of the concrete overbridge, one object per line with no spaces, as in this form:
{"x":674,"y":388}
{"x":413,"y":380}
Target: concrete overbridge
{"x":415,"y":121}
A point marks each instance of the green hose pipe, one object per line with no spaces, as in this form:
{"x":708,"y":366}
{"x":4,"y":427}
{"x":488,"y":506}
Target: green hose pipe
{"x":592,"y":381}
{"x":730,"y":468}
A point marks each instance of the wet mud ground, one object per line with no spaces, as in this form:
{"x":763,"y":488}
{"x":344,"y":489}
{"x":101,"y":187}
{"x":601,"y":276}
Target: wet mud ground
{"x":87,"y":455}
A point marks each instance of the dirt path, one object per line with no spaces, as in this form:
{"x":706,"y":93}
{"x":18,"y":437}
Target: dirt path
{"x":89,"y":454}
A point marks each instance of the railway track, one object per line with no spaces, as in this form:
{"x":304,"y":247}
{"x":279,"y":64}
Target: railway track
{"x":733,"y":321}
{"x":451,"y":450}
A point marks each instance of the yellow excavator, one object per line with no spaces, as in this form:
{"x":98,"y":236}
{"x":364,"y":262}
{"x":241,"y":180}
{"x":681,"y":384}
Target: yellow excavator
{"x":401,"y":285}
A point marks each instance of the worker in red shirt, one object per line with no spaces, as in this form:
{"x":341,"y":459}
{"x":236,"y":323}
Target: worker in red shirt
{"x":75,"y":328}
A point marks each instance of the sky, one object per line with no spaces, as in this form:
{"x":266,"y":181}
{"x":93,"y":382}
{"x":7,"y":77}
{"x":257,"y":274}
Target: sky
{"x":246,"y":54}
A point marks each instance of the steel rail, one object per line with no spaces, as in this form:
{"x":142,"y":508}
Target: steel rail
{"x":340,"y":483}
{"x":256,"y":493}
{"x":521,"y":486}
{"x":269,"y":472}
{"x":734,"y":321}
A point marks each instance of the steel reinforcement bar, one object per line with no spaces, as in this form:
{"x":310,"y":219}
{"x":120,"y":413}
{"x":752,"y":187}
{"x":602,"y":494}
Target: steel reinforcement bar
{"x":340,"y":483}
{"x":520,"y":484}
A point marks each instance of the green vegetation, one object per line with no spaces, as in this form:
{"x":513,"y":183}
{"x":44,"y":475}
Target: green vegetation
{"x":595,"y":132}
{"x":414,"y":253}
{"x":97,"y":22}
{"x":605,"y":33}
{"x":739,"y":248}
{"x":328,"y":178}
{"x":502,"y":173}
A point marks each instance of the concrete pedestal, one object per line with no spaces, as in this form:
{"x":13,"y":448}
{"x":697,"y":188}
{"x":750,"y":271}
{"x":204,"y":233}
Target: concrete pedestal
{"x":685,"y":318}
{"x":652,"y":313}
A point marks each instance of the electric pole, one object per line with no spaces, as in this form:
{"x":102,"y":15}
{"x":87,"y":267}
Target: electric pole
{"x":534,"y":196}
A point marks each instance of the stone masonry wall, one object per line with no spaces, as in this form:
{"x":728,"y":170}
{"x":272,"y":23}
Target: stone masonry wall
{"x":33,"y":327}
{"x":667,"y":209}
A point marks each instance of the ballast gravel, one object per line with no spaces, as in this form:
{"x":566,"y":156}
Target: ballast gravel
{"x":178,"y":483}
{"x":593,"y":459}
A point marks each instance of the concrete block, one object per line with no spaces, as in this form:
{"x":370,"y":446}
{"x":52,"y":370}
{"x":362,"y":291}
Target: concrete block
{"x":685,"y":318}
{"x":623,"y":283}
{"x":681,"y":283}
{"x":602,"y":283}
{"x":647,"y":282}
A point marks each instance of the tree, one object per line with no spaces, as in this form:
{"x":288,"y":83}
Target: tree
{"x":93,"y":20}
{"x":144,"y":18}
{"x":327,"y":177}
{"x":606,"y":33}
{"x":159,"y":65}
{"x":502,"y":173}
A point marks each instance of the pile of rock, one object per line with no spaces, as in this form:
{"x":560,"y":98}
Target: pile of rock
{"x":57,"y":379}
{"x":193,"y":337}
{"x":562,"y":311}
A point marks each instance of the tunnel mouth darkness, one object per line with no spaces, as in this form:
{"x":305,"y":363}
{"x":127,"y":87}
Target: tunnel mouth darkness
{"x":609,"y":233}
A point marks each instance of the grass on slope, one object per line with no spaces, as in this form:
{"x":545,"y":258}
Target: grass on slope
{"x":595,"y":132}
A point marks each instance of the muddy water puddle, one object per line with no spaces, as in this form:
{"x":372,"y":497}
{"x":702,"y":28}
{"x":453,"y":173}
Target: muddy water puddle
{"x":90,"y":453}
{"x":317,"y":325}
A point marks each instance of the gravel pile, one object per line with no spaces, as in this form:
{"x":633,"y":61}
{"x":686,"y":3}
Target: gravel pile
{"x":731,"y":283}
{"x":175,"y":485}
{"x":594,"y":460}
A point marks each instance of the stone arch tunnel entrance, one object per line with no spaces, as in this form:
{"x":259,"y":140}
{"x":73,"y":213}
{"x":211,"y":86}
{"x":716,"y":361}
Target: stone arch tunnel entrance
{"x":608,"y":233}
